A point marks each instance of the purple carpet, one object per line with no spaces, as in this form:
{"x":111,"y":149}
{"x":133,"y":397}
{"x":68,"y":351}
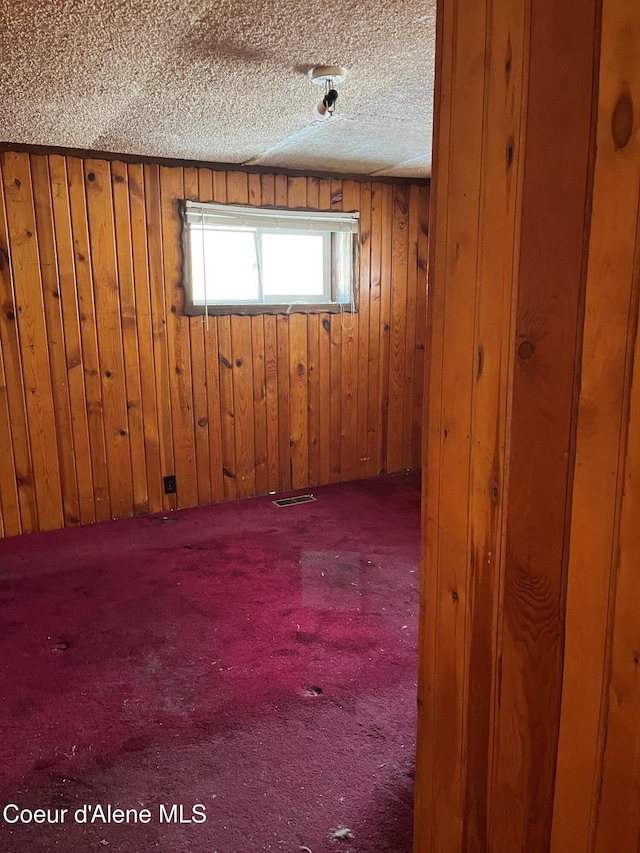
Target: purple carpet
{"x":254,"y":666}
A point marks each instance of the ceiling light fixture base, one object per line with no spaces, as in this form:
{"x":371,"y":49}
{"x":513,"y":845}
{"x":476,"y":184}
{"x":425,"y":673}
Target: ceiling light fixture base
{"x":323,"y":74}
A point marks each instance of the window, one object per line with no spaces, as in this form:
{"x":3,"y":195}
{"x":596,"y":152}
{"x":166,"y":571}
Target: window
{"x":249,"y":260}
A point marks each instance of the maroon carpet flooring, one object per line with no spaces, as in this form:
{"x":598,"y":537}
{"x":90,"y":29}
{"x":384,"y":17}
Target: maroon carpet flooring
{"x":258,"y":662}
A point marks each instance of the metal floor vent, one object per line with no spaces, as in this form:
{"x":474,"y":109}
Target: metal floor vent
{"x":300,"y":499}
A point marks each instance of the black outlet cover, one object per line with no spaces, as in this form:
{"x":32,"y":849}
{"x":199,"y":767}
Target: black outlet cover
{"x":170,"y":485}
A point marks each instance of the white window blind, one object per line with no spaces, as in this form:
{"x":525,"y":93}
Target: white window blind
{"x":234,"y":215}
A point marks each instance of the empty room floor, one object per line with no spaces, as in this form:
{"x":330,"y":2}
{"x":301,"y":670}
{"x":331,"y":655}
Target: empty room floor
{"x":232,"y":678}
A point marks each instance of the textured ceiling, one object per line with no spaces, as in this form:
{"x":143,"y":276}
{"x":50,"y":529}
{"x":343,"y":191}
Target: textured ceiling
{"x":222,"y":80}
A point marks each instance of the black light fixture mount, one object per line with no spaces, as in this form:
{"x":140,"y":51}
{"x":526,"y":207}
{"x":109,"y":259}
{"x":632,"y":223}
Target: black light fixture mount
{"x":328,"y":76}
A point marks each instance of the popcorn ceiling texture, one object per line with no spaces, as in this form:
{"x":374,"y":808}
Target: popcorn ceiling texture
{"x":222,"y":81}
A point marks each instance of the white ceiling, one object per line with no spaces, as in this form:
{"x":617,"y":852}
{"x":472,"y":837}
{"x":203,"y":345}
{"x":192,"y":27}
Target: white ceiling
{"x":222,"y":80}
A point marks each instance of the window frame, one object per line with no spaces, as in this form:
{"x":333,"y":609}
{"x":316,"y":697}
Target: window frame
{"x":334,"y":257}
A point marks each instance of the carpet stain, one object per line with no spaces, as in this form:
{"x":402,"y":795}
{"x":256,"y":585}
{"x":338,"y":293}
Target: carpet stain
{"x":145,"y":664}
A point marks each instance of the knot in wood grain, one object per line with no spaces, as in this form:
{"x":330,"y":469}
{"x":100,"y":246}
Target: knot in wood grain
{"x":510,"y":146}
{"x":622,"y":120}
{"x":526,"y":350}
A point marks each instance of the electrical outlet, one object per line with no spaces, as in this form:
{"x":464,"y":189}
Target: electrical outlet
{"x":170,"y":485}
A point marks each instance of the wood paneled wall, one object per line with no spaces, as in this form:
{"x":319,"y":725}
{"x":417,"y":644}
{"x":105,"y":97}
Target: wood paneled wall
{"x":105,"y":387}
{"x":511,"y":171}
{"x":529,"y":685}
{"x":597,"y":792}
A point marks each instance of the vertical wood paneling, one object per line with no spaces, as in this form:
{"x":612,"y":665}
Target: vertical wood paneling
{"x":178,"y":340}
{"x":243,"y":412}
{"x":271,"y":390}
{"x":364,"y":262}
{"x":421,"y":326}
{"x":106,"y":290}
{"x":259,"y":404}
{"x":32,"y":336}
{"x":618,"y":815}
{"x":440,"y":783}
{"x":349,"y":369}
{"x":298,"y":368}
{"x":597,"y":788}
{"x":398,"y":327}
{"x":547,"y":337}
{"x":18,"y":493}
{"x":491,"y":357}
{"x":281,"y":186}
{"x":75,"y":371}
{"x":225,"y":368}
{"x":298,"y":406}
{"x":514,"y":153}
{"x":324,"y":365}
{"x":158,"y":325}
{"x":135,"y":391}
{"x":267,"y":189}
{"x":197,"y":333}
{"x":135,"y":415}
{"x":9,"y":505}
{"x":259,"y":375}
{"x":55,"y":337}
{"x":384,"y":350}
{"x":313,"y":397}
{"x":227,"y":415}
{"x":335,"y":356}
{"x":313,"y":367}
{"x":211,"y":375}
{"x":144,"y":328}
{"x":284,"y":411}
{"x":411,"y":333}
{"x":375,"y":290}
{"x":242,"y":371}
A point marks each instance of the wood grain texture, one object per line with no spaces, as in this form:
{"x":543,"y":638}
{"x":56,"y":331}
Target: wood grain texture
{"x":108,"y":315}
{"x":243,"y":410}
{"x":55,"y":335}
{"x":562,"y":48}
{"x":349,"y":459}
{"x":129,"y":322}
{"x":374,"y":376}
{"x":398,"y":328}
{"x":18,"y":494}
{"x":178,"y":340}
{"x":34,"y":348}
{"x":450,"y":442}
{"x":134,"y":391}
{"x":598,"y":777}
{"x":298,"y":400}
{"x":158,"y":326}
{"x":144,"y":329}
{"x":507,"y":274}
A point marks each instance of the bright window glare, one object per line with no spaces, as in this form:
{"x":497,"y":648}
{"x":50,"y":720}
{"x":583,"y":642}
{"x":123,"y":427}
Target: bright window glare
{"x":292,"y":264}
{"x":231,"y":266}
